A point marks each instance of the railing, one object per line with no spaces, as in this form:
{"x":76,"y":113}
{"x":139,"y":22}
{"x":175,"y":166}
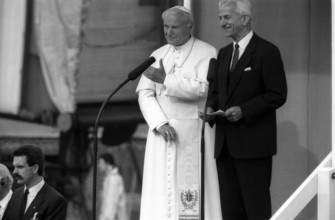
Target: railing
{"x":320,"y":182}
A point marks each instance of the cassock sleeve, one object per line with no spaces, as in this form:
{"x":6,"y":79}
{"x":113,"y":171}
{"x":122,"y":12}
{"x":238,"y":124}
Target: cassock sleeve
{"x":149,"y":106}
{"x":189,"y":83}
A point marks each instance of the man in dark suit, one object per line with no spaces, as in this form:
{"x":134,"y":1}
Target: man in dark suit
{"x":250,"y":85}
{"x":42,"y":201}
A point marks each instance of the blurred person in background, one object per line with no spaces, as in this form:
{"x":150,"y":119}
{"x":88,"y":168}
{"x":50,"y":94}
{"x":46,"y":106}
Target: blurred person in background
{"x":112,"y":195}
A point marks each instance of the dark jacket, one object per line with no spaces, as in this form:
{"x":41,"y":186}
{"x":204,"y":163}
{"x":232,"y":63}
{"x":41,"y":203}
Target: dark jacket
{"x":48,"y":203}
{"x":258,"y":86}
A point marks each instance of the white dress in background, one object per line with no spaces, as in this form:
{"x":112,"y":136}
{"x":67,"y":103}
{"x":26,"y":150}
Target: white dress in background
{"x":113,"y":197}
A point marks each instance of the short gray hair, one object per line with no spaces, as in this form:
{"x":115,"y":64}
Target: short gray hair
{"x":243,"y":7}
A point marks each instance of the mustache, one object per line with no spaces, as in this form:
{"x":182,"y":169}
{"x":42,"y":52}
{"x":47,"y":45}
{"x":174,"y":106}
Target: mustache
{"x":17,"y":176}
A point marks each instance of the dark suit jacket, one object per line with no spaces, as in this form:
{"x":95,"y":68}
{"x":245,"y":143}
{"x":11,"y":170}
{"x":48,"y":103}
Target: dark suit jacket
{"x":258,"y":86}
{"x":48,"y":203}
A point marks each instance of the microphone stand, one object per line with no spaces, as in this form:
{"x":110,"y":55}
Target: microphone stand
{"x":95,"y":145}
{"x":202,"y":151}
{"x":210,"y":77}
{"x":131,"y":76}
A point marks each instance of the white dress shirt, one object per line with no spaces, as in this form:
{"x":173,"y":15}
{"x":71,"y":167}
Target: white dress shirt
{"x":33,"y":192}
{"x":243,"y":43}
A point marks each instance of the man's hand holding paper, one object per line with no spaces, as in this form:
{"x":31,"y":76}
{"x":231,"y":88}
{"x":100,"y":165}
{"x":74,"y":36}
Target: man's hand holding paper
{"x":210,"y":114}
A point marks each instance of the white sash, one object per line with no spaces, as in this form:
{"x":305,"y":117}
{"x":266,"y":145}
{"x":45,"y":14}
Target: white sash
{"x":186,"y":152}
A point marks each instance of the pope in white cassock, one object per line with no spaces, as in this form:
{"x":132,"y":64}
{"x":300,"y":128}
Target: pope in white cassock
{"x":171,"y":93}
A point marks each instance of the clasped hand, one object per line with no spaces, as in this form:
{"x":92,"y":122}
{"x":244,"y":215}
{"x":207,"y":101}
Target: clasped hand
{"x":156,"y":75}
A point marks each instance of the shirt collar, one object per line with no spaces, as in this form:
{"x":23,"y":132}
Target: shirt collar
{"x":5,"y":200}
{"x":243,"y":43}
{"x":35,"y":189}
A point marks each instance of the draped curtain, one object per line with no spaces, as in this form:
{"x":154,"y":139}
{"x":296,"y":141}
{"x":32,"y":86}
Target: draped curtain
{"x":57,"y":26}
{"x":12,"y":39}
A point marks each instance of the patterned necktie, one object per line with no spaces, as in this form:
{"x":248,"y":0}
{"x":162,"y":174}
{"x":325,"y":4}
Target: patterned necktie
{"x":24,"y":203}
{"x":235,"y":58}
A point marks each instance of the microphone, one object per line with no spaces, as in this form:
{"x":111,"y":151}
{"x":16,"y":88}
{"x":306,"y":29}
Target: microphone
{"x":141,"y":68}
{"x":211,"y":74}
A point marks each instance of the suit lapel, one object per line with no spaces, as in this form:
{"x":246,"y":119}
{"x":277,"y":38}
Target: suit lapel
{"x":242,"y":63}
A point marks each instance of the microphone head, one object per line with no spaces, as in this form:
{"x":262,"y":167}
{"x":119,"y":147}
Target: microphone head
{"x":212,"y":70}
{"x":141,"y":68}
